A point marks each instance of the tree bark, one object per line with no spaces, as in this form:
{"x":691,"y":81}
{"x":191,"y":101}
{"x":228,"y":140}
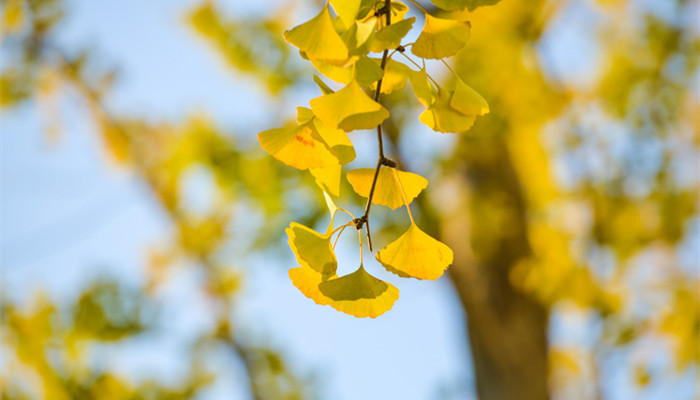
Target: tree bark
{"x":487,"y":231}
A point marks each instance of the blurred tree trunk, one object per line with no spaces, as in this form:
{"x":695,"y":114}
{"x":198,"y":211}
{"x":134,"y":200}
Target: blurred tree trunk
{"x":507,"y":330}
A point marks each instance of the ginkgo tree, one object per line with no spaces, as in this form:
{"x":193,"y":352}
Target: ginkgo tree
{"x":338,"y":41}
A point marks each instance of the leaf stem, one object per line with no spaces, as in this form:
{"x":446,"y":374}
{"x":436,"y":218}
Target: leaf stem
{"x":403,"y":194}
{"x":381,"y":160}
{"x":419,"y":6}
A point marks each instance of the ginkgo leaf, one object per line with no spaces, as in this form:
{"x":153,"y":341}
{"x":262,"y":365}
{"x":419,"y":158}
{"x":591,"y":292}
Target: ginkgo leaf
{"x":358,"y":294}
{"x":388,"y":190}
{"x":390,"y":36}
{"x":422,"y":88}
{"x":467,"y":100}
{"x":395,"y":76}
{"x":322,"y":85}
{"x":441,"y":38}
{"x":367,"y":71}
{"x":349,"y":109}
{"x":416,"y":254}
{"x":359,"y":36}
{"x":454,"y":5}
{"x":340,"y":74}
{"x":328,"y":178}
{"x":317,"y":38}
{"x":441,"y":117}
{"x":334,"y":139}
{"x":346,"y":10}
{"x":312,"y":249}
{"x":298,"y":147}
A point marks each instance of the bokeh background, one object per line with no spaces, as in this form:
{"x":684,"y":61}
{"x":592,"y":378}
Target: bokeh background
{"x":143,"y":251}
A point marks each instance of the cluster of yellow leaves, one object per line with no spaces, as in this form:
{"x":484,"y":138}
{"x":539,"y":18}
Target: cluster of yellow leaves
{"x":338,"y":42}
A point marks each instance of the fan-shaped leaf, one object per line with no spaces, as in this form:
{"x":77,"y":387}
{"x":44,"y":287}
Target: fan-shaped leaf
{"x":441,"y":117}
{"x":416,"y":254}
{"x":358,"y":38}
{"x":297,"y":146}
{"x":312,"y":249}
{"x":349,"y":109}
{"x":390,"y":36}
{"x":328,"y":178}
{"x":388,"y":190}
{"x":317,"y":38}
{"x":467,"y":100}
{"x":358,"y":294}
{"x":346,"y":10}
{"x":367,"y":71}
{"x":395,"y":76}
{"x":441,"y":38}
{"x":422,"y":88}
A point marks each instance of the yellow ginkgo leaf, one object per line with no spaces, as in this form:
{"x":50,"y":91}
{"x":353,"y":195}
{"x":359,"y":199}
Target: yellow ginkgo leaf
{"x":340,"y":74}
{"x":417,"y":255}
{"x":395,"y":76}
{"x":317,"y":38}
{"x":359,"y":37}
{"x":369,"y":10}
{"x":389,"y":37}
{"x":312,"y":249}
{"x":297,"y":146}
{"x":367,"y":71}
{"x":358,"y":294}
{"x":346,"y":10}
{"x":388,"y":189}
{"x":467,"y":100}
{"x":328,"y":178}
{"x":441,"y":117}
{"x":441,"y":38}
{"x":334,"y":139}
{"x":422,"y":88}
{"x":349,"y":109}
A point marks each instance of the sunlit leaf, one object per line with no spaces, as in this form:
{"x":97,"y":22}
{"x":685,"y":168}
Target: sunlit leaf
{"x":346,"y":10}
{"x":441,"y":117}
{"x":298,"y":147}
{"x":369,"y":10}
{"x":312,"y":249}
{"x":328,"y":178}
{"x":416,"y":254}
{"x":388,"y":190}
{"x":349,"y":109}
{"x":455,"y":5}
{"x":422,"y":88}
{"x":318,"y":38}
{"x":390,"y":36}
{"x":358,"y":294}
{"x":358,"y":38}
{"x":395,"y":76}
{"x":334,"y":139}
{"x":340,"y":74}
{"x":467,"y":100}
{"x":441,"y":38}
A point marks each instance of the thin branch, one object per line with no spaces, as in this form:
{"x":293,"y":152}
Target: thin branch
{"x":381,"y":160}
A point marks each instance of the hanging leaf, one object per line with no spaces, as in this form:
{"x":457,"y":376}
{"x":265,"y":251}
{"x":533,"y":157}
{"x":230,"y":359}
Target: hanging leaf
{"x":336,"y":140}
{"x":417,"y":255}
{"x":346,"y":10}
{"x":422,"y":88}
{"x":389,"y":37}
{"x":297,"y":146}
{"x":441,"y":117}
{"x":441,"y":38}
{"x":359,"y":37}
{"x":467,"y":101}
{"x":317,"y":38}
{"x":312,"y":249}
{"x":395,"y":76}
{"x":358,"y":294}
{"x":349,"y":109}
{"x":328,"y":178}
{"x":388,"y":191}
{"x":340,"y":74}
{"x":456,"y":5}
